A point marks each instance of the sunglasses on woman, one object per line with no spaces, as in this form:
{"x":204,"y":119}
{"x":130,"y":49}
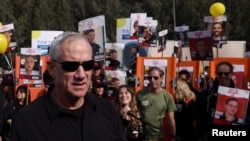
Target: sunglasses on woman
{"x":71,"y":66}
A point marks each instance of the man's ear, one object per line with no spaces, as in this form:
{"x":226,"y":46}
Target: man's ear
{"x":50,"y":68}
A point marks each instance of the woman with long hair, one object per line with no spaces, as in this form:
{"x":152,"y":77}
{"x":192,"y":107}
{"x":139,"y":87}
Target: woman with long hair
{"x":185,"y":116}
{"x":127,"y":107}
{"x":22,"y":99}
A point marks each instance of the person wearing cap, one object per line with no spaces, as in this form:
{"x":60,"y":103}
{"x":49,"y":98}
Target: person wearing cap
{"x":6,"y":70}
{"x":131,"y":82}
{"x":98,"y":88}
{"x":8,"y":87}
{"x":112,"y":90}
{"x":99,"y":73}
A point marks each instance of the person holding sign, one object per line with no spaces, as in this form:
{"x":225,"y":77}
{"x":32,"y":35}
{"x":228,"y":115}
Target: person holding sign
{"x":206,"y":101}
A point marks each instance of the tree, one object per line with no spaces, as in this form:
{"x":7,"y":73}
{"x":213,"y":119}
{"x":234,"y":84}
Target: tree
{"x":28,"y":15}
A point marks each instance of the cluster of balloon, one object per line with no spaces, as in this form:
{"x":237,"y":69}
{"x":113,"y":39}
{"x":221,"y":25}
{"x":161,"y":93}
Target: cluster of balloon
{"x":217,"y":9}
{"x":3,"y":42}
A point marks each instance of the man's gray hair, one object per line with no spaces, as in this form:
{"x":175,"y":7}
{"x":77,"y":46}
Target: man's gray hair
{"x":55,"y":48}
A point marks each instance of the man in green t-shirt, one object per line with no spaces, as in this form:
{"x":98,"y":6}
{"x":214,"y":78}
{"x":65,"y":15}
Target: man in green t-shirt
{"x":154,"y":103}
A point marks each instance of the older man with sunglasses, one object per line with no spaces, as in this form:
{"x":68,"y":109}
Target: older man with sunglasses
{"x":154,"y":103}
{"x":208,"y":98}
{"x":68,"y":111}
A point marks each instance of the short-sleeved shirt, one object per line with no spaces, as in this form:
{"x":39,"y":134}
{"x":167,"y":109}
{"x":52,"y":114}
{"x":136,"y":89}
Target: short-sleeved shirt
{"x":153,"y":108}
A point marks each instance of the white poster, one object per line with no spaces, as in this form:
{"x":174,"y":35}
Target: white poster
{"x":94,"y":30}
{"x":42,"y":39}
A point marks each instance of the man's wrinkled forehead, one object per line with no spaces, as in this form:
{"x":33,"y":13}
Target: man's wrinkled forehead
{"x":68,"y":45}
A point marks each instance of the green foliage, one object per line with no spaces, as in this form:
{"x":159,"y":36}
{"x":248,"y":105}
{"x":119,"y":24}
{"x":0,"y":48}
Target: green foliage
{"x":28,"y":15}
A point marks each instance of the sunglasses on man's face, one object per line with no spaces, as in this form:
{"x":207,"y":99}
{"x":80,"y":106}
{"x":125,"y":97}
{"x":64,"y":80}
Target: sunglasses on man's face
{"x":221,"y":73}
{"x":71,"y":66}
{"x":155,"y":77}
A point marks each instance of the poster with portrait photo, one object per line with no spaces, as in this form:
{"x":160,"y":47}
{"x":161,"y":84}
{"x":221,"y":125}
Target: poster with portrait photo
{"x":31,"y":67}
{"x":8,"y":31}
{"x":162,"y":42}
{"x":110,"y":63}
{"x":123,"y":36}
{"x":238,"y":75}
{"x":94,"y":30}
{"x":231,"y":106}
{"x":200,"y":44}
{"x":180,"y":33}
{"x":148,"y":63}
{"x":147,"y":33}
{"x":134,"y":24}
{"x":120,"y":74}
{"x":218,"y":28}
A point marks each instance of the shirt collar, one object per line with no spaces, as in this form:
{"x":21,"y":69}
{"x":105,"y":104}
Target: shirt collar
{"x":54,"y":109}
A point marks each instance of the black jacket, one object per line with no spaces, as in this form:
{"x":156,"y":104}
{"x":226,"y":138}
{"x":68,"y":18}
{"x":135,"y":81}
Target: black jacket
{"x":43,"y":119}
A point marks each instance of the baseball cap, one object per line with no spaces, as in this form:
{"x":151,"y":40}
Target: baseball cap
{"x":8,"y":80}
{"x":130,"y":80}
{"x":111,"y":93}
{"x":98,"y":83}
{"x":97,"y":65}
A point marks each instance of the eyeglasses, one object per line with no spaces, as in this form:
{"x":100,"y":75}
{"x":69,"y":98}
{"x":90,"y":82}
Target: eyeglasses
{"x":221,"y":73}
{"x":70,"y":66}
{"x":155,"y":77}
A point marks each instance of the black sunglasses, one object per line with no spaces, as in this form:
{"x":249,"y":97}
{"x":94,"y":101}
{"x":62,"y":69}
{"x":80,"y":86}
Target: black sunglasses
{"x":155,"y":77}
{"x":71,"y":66}
{"x":221,"y":73}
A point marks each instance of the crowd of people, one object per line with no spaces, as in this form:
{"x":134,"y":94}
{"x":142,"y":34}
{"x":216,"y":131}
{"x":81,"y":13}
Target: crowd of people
{"x":79,"y":103}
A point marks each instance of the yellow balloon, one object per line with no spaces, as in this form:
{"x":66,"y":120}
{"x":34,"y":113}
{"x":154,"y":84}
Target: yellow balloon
{"x":217,"y":9}
{"x":3,"y":43}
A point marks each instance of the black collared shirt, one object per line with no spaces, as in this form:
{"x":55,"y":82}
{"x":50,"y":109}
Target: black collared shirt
{"x":44,"y":120}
